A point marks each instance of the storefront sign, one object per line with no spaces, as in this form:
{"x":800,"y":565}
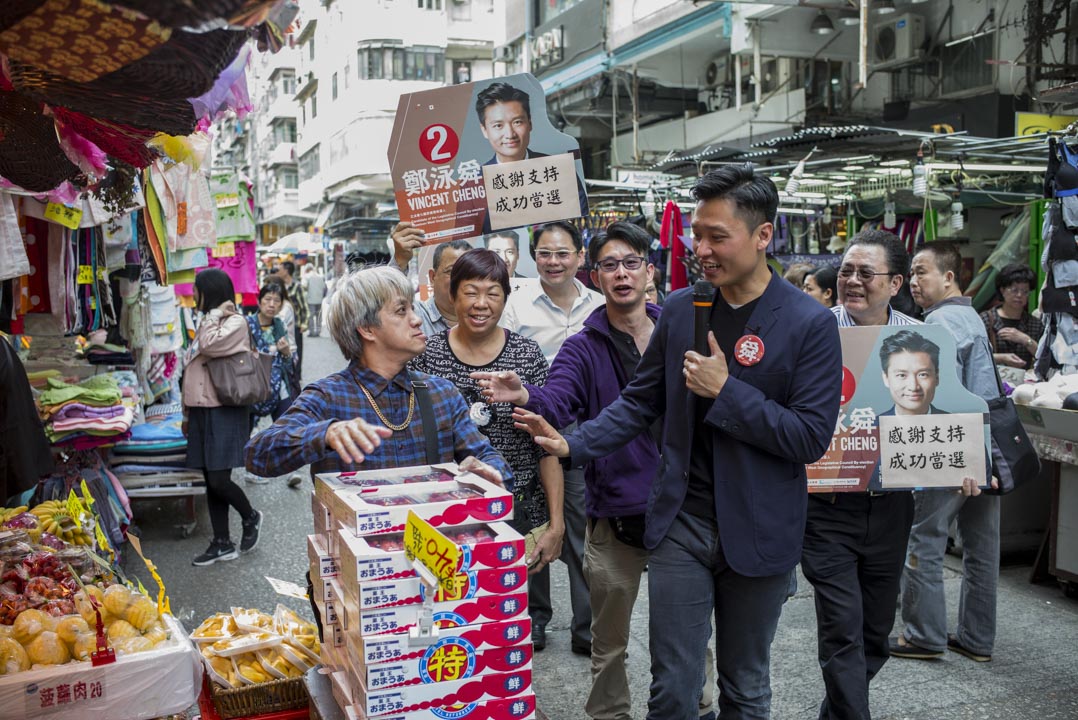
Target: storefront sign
{"x":905,"y":420}
{"x":1027,"y":123}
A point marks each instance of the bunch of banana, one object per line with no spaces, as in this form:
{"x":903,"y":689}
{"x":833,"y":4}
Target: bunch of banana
{"x":8,"y":513}
{"x":55,"y":519}
{"x":249,"y":667}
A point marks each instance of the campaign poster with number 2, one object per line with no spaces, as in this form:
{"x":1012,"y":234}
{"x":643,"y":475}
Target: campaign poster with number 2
{"x":905,"y":419}
{"x":479,"y":157}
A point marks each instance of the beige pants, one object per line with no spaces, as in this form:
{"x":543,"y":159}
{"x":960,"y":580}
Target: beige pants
{"x":613,"y":571}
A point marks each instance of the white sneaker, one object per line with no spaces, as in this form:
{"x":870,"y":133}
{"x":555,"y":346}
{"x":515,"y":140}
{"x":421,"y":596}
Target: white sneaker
{"x":252,"y":479}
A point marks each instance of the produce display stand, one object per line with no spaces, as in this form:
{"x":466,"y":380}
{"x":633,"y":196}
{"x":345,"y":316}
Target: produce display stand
{"x":140,"y":686}
{"x":1054,"y":433}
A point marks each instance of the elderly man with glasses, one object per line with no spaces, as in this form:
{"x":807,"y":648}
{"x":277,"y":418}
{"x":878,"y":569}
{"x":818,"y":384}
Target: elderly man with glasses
{"x":550,"y":312}
{"x":855,"y":543}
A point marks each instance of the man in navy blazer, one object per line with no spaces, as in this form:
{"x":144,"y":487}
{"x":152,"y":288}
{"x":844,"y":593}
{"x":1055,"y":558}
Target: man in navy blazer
{"x":726,"y":515}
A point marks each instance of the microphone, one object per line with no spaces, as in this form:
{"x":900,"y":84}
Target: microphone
{"x":702,"y":296}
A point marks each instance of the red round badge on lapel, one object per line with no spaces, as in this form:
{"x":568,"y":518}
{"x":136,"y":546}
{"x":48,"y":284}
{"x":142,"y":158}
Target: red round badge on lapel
{"x":749,"y":350}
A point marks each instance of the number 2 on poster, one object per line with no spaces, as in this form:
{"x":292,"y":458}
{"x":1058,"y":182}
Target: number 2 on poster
{"x":439,"y":143}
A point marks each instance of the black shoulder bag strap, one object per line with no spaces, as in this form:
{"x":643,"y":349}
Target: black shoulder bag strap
{"x":426,"y":411}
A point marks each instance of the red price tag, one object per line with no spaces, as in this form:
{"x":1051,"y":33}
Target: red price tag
{"x":439,"y":143}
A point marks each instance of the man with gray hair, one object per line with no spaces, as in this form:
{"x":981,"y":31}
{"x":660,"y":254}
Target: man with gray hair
{"x":368,"y":415}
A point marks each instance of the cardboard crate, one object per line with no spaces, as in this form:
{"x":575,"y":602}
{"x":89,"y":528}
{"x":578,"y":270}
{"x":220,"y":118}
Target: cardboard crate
{"x":468,"y":499}
{"x":323,"y":564}
{"x":470,"y":584}
{"x":397,"y":647}
{"x":518,"y":708}
{"x":399,"y":701}
{"x":454,"y":613}
{"x":483,"y":545}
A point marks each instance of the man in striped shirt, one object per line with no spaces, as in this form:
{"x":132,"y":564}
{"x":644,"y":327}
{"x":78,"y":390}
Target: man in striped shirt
{"x":855,"y":543}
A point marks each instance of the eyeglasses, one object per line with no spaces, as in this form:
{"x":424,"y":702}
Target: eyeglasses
{"x":1015,"y":290}
{"x":561,"y":255}
{"x":863,"y":274}
{"x":632,"y":262}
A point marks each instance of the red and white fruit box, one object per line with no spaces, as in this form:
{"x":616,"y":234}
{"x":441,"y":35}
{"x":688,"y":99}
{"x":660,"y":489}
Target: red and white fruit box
{"x":326,"y":484}
{"x":449,"y":659}
{"x":518,"y":708}
{"x":398,"y":648}
{"x":379,"y":557}
{"x":377,"y":510}
{"x":400,"y":701}
{"x":323,"y":564}
{"x":453,"y":613}
{"x":474,"y":583}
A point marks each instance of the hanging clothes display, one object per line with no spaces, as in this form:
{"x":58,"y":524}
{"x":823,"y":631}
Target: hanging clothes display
{"x":1058,"y":349}
{"x":24,"y":453}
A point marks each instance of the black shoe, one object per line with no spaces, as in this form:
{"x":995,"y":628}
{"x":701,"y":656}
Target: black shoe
{"x":250,"y":532}
{"x":538,"y":637}
{"x":218,"y":550}
{"x":954,"y":646}
{"x":903,"y":648}
{"x":580,"y":648}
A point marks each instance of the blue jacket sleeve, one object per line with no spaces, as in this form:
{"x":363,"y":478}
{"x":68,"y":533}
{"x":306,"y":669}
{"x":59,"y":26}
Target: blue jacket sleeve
{"x":298,"y":437}
{"x":641,"y":403}
{"x":801,"y":428}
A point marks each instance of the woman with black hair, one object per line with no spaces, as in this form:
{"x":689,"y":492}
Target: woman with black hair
{"x":216,"y":433}
{"x":822,"y":284}
{"x":1012,"y":330}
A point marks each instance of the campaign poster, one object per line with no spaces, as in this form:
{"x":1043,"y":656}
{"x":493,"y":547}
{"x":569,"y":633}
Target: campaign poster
{"x":905,"y":421}
{"x":471,"y":159}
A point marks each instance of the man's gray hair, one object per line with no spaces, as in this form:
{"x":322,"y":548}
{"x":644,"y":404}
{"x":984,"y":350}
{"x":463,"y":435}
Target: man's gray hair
{"x":356,"y":301}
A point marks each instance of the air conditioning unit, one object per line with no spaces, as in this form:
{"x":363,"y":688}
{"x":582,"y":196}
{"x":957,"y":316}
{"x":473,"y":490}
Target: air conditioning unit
{"x":897,"y":40}
{"x":505,"y":53}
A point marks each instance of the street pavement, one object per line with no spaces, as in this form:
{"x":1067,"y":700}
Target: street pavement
{"x":1033,"y":675}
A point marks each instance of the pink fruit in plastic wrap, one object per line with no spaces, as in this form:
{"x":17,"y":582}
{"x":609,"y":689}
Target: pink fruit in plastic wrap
{"x":50,"y":540}
{"x":23,"y":521}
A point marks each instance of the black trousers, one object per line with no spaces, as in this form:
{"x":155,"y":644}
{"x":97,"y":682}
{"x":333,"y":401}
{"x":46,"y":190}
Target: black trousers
{"x":298,"y":360}
{"x":221,"y":494}
{"x":855,"y":546}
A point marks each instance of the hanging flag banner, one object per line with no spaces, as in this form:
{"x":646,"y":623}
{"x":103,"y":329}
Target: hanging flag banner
{"x":905,"y":421}
{"x":479,"y":157}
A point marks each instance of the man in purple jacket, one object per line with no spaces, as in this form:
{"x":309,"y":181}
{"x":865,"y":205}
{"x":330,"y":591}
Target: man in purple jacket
{"x":589,"y":373}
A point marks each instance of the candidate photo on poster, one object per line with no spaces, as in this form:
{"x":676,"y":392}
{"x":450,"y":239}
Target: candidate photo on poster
{"x":511,"y":124}
{"x":910,"y":365}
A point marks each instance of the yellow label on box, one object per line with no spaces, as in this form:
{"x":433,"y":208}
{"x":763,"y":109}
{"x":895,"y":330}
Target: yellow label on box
{"x":85,"y":275}
{"x":432,"y":549}
{"x":224,"y":249}
{"x":69,"y":217}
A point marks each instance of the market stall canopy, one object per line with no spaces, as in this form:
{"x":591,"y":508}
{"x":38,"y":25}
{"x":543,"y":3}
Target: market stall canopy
{"x":297,"y":243}
{"x":84,"y":84}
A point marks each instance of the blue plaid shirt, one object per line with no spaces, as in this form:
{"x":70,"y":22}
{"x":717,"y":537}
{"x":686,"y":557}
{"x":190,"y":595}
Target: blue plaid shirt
{"x":298,"y":438}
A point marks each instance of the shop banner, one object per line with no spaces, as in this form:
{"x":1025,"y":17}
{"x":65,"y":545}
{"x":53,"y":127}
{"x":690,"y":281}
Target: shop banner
{"x":471,"y":158}
{"x":905,"y":421}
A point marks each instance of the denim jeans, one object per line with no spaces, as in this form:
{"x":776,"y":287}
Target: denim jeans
{"x":924,"y":608}
{"x":689,"y":583}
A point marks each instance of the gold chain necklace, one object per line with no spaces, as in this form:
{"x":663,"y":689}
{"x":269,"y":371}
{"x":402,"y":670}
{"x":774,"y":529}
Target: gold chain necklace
{"x":383,"y":418}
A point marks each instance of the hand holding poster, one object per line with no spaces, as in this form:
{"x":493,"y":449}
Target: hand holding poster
{"x":476,"y":157}
{"x":905,"y":420}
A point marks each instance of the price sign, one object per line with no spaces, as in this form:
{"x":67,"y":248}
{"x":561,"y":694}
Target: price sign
{"x":432,"y":549}
{"x":224,"y":249}
{"x":225,"y":200}
{"x":69,"y":217}
{"x":85,"y":275}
